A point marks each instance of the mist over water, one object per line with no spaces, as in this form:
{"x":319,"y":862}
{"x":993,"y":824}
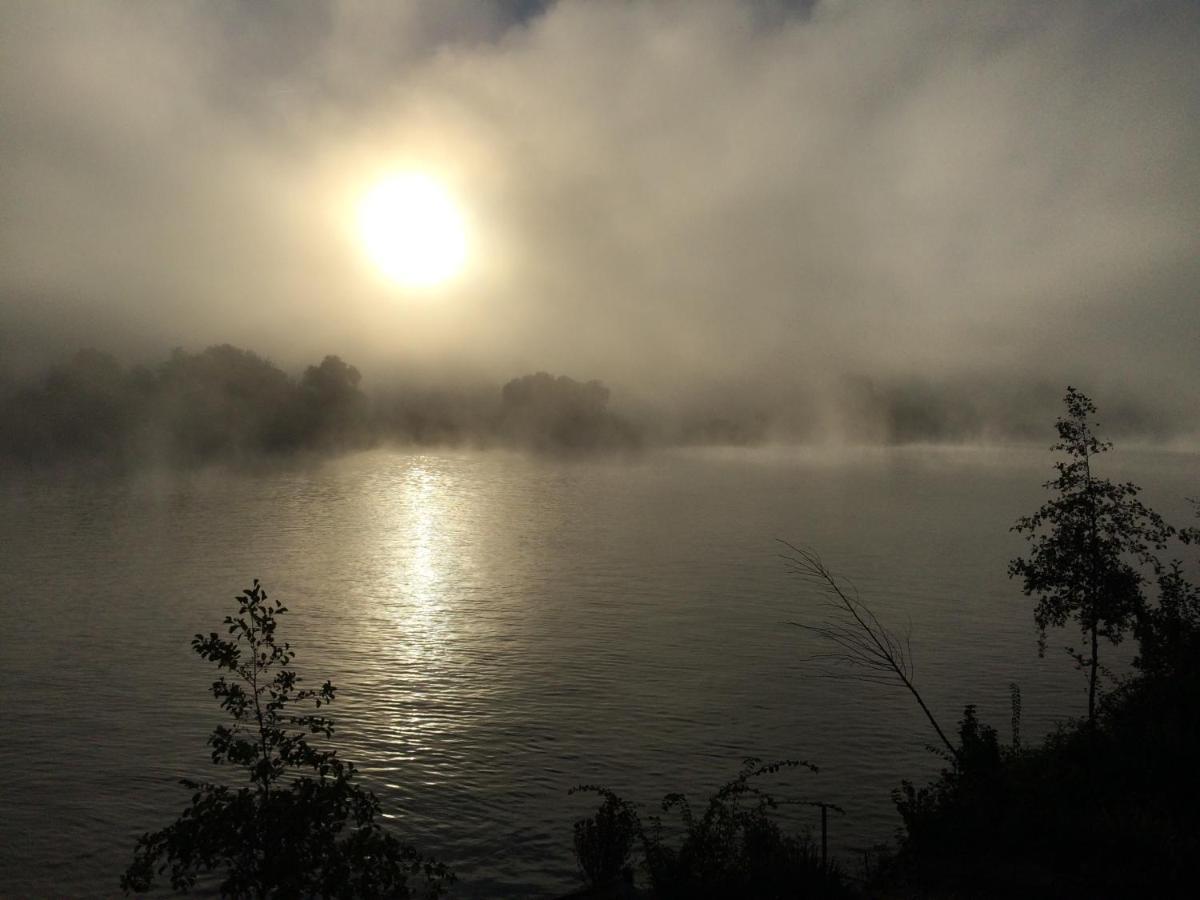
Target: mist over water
{"x":229,"y":405}
{"x":745,"y":202}
{"x":502,"y":627}
{"x":503,"y":339}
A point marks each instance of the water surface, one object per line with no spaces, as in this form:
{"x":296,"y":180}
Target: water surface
{"x":502,"y":628}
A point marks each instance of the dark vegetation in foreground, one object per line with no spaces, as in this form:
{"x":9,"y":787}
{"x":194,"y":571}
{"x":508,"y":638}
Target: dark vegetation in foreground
{"x":734,"y":847}
{"x":1106,"y":806}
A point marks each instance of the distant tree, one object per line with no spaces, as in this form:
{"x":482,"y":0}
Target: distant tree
{"x":1088,"y":545}
{"x":560,"y":413}
{"x":82,"y":408}
{"x":298,"y":825}
{"x":223,"y":401}
{"x":334,"y":405}
{"x":545,"y":391}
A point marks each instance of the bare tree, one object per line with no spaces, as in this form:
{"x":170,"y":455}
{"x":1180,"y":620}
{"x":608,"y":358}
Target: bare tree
{"x":865,"y":648}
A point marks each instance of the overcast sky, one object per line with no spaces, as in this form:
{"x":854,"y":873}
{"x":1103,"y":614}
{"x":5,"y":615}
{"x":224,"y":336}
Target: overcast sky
{"x":672,"y":197}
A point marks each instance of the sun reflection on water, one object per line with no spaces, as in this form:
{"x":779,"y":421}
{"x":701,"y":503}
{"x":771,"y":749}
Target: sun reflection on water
{"x":425,"y":556}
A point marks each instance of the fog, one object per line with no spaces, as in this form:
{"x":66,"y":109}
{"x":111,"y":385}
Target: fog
{"x":786,"y":210}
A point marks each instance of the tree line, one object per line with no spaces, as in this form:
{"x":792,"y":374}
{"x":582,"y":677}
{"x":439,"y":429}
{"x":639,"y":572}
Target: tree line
{"x":225,"y":403}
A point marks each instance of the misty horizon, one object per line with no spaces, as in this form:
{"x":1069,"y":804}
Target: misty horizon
{"x":684,"y":201}
{"x":220,"y":403}
{"x":676,"y":432}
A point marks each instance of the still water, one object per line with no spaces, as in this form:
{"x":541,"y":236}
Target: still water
{"x":501,"y":628}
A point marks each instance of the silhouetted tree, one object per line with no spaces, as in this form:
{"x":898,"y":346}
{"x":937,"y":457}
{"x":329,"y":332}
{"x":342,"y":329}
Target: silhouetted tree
{"x":335,"y":407}
{"x":85,"y":407}
{"x":1086,"y":544}
{"x":298,"y":826}
{"x":560,"y":413}
{"x":221,"y":402}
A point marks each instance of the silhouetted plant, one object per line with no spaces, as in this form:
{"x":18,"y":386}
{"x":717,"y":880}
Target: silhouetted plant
{"x":949,"y":823}
{"x":1099,"y":808}
{"x":734,"y":848}
{"x":864,"y":648}
{"x":1169,"y":634}
{"x":298,"y":825}
{"x":1086,"y":544}
{"x":1094,"y":810}
{"x":604,"y":841}
{"x":1014,"y":696}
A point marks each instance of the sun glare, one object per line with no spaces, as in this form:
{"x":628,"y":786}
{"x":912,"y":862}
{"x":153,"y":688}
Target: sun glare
{"x":412,"y":230}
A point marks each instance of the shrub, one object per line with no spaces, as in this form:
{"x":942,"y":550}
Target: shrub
{"x":604,"y":841}
{"x":297,"y":825}
{"x":735,"y":848}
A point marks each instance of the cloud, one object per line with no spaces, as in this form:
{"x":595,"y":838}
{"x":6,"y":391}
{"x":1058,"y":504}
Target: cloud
{"x":670,"y":196}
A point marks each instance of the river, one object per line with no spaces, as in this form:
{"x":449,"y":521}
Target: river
{"x":502,"y":627}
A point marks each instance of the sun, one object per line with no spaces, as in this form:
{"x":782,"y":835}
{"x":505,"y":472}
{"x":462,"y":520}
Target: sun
{"x":412,"y":230}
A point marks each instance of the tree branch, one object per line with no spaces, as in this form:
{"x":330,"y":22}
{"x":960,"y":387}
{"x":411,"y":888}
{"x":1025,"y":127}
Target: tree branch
{"x":861,"y":641}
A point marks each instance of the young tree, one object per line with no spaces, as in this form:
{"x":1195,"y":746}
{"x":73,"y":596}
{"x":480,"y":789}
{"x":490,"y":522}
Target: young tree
{"x":297,"y":826}
{"x":1088,"y":545}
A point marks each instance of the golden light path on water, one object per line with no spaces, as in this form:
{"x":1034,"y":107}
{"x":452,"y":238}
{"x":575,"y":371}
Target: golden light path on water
{"x":421,"y":507}
{"x":425,"y":501}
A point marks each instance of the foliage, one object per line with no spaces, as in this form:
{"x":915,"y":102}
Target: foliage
{"x":297,"y":825}
{"x":604,"y":841}
{"x":86,"y":406}
{"x":219,"y":404}
{"x":954,"y":813}
{"x":734,"y":848}
{"x":225,"y":404}
{"x":335,"y":408}
{"x":551,"y":413}
{"x":1086,"y":545}
{"x":1102,"y":807}
{"x":1103,"y":810}
{"x":1169,"y":634}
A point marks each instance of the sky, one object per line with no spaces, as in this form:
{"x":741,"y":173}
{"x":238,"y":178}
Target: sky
{"x":683,"y":199}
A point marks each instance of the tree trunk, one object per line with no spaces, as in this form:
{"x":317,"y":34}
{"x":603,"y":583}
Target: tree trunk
{"x":1095,"y":665}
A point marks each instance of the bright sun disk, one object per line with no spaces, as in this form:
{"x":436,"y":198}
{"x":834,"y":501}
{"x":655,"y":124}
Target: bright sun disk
{"x":412,"y":230}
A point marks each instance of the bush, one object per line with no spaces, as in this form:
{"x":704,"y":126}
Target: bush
{"x":1095,"y":811}
{"x":735,"y":848}
{"x":604,"y":841}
